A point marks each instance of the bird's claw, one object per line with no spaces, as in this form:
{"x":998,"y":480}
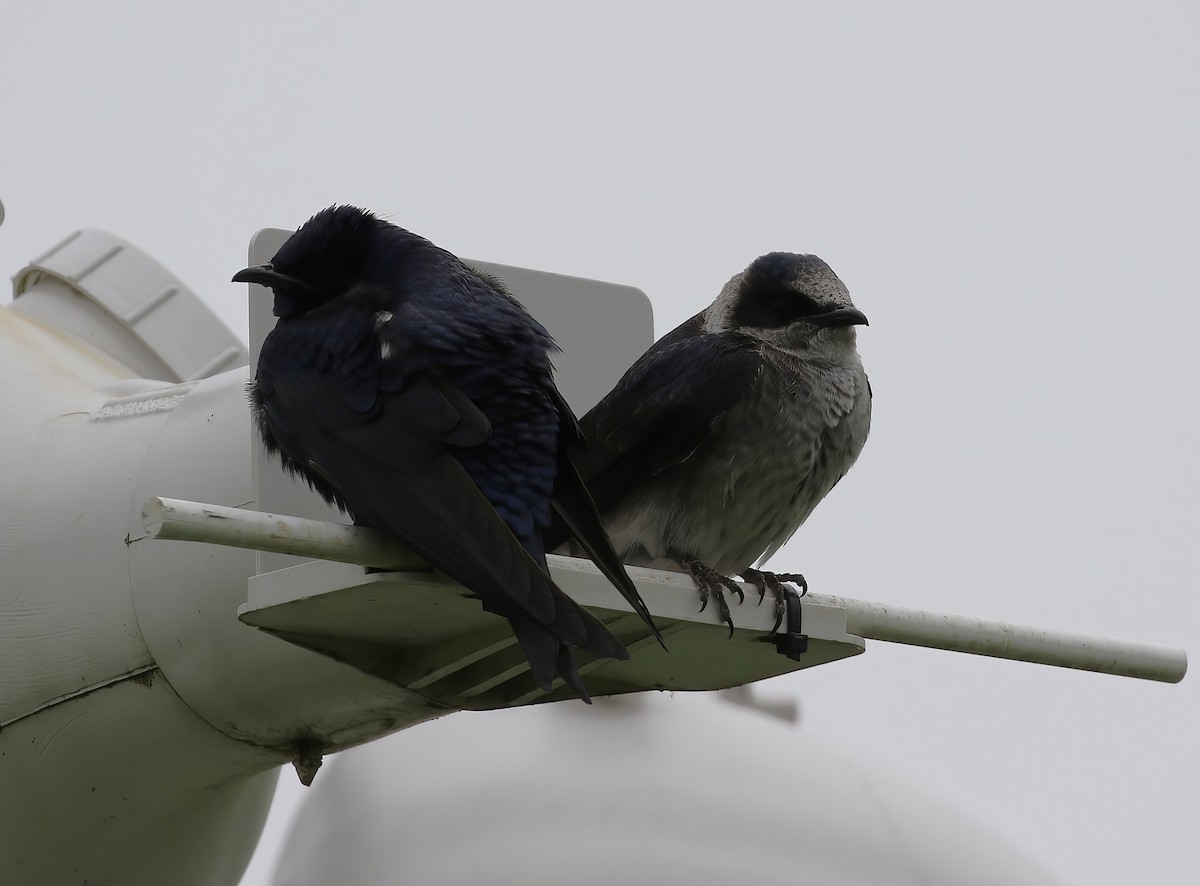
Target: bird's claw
{"x":765,"y":581}
{"x":794,"y":578}
{"x":712,"y":583}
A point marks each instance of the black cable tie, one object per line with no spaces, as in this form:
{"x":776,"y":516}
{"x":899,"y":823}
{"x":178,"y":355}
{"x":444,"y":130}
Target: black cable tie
{"x":793,"y":642}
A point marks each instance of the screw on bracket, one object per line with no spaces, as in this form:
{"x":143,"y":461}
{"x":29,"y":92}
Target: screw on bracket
{"x":307,"y":757}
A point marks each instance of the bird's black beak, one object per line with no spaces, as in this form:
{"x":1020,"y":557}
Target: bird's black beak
{"x":840,"y":317}
{"x":265,"y":275}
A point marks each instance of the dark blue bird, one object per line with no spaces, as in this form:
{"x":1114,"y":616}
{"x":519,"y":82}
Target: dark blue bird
{"x":417,"y":395}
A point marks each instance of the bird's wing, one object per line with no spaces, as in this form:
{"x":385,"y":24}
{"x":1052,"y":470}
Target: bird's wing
{"x":663,"y":410}
{"x":576,"y":511}
{"x":393,"y":468}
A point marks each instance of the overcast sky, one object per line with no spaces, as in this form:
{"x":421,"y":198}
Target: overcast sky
{"x":1010,"y":195}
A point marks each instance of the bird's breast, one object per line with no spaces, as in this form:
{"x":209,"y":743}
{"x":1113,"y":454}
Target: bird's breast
{"x":766,"y":465}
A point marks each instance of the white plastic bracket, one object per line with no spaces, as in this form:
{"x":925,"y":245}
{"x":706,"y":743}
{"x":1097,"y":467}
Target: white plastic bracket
{"x":410,"y":626}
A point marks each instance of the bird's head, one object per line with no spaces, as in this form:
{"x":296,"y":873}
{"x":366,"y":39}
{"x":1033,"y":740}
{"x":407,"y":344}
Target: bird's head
{"x":795,"y":302}
{"x":334,"y":251}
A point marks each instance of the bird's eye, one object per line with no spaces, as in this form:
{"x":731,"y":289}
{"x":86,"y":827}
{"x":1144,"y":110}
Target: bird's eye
{"x":768,"y":305}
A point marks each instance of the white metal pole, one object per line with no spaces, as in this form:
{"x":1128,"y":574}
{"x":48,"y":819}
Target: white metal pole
{"x":193,"y":521}
{"x":977,"y":636}
{"x":234,"y":527}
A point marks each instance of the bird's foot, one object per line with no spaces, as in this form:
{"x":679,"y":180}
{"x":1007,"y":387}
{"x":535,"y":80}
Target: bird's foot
{"x":794,"y":578}
{"x":765,"y":581}
{"x":711,"y":582}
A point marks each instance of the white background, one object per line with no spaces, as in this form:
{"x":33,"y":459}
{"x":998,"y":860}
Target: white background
{"x":1011,"y":196}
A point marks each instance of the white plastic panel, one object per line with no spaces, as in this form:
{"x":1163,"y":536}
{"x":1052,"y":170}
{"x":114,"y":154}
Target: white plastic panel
{"x":66,"y":617}
{"x":127,"y":785}
{"x":421,"y":631}
{"x":118,"y":298}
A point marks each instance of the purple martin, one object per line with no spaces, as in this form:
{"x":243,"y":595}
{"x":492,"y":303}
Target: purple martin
{"x":417,"y":395}
{"x":721,"y":439}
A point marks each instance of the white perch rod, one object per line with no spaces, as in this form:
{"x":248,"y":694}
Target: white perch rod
{"x":237,"y":528}
{"x":193,"y":521}
{"x":997,"y":639}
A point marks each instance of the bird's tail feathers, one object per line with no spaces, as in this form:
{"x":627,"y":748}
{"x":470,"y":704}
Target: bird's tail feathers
{"x":568,"y":670}
{"x":568,"y":622}
{"x":547,"y":655}
{"x":540,"y":648}
{"x":574,"y":506}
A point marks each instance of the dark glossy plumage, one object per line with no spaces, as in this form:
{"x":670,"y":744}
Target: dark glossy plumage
{"x":416,"y":394}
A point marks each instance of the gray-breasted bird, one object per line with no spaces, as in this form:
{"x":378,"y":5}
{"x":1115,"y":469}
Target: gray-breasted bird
{"x":721,"y":439}
{"x":416,"y":394}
